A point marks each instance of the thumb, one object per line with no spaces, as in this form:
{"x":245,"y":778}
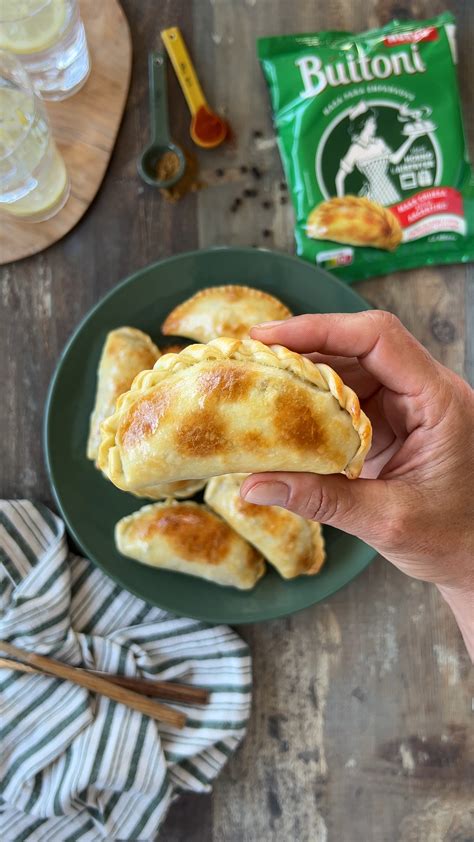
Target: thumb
{"x":363,"y":507}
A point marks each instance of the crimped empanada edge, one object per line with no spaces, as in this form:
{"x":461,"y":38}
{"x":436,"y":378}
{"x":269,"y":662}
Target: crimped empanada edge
{"x":244,"y":350}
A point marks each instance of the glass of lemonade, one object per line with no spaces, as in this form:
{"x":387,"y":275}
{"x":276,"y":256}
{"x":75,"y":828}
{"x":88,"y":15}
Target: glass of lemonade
{"x":34,"y":183}
{"x":49,"y":38}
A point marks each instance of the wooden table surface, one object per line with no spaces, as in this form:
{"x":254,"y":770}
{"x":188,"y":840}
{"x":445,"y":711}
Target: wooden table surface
{"x":362,"y":705}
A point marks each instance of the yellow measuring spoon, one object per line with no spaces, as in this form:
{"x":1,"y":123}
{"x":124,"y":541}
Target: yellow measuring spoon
{"x":207,"y":128}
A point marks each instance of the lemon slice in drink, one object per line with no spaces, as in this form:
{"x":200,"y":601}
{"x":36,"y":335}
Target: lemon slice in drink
{"x":31,"y":26}
{"x":49,"y":195}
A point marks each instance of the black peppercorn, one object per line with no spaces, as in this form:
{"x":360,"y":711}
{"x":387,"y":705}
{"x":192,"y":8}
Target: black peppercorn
{"x":235,"y":205}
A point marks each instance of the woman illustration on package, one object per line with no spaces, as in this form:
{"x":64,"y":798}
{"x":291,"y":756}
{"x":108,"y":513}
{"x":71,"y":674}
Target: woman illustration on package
{"x":372,"y":156}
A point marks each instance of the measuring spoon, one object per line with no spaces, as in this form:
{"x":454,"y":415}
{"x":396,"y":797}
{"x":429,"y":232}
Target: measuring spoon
{"x":207,"y":128}
{"x":160,"y":135}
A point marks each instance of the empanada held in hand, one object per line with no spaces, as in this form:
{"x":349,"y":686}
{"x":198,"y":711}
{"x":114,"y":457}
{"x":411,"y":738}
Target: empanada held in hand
{"x":355,"y":221}
{"x":188,"y":538}
{"x":233,"y":407}
{"x":229,"y":310}
{"x":293,"y":545}
{"x":126,"y":352}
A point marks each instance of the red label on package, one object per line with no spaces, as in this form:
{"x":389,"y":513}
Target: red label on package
{"x":426,"y":33}
{"x":429,"y":202}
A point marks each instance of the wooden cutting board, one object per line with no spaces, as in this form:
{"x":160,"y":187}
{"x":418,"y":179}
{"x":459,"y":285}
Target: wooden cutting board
{"x":85,"y":128}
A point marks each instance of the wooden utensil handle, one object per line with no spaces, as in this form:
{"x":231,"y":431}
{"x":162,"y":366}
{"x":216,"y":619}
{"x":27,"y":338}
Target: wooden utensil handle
{"x":184,"y":68}
{"x":184,"y":693}
{"x":17,"y":665}
{"x":97,"y":685}
{"x":170,"y":690}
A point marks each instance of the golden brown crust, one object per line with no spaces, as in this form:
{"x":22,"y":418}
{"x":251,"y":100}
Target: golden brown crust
{"x":191,"y":531}
{"x":355,"y":220}
{"x":229,"y":310}
{"x":153,"y":408}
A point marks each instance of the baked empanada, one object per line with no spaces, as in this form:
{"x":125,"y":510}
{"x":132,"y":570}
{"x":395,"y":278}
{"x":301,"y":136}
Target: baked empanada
{"x":126,"y":352}
{"x":223,"y":311}
{"x":355,"y":221}
{"x":188,"y":538}
{"x":233,"y":406}
{"x":293,"y":545}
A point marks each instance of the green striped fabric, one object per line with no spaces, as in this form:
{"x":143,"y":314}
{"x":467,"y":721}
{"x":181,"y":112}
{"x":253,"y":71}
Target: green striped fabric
{"x":75,"y":766}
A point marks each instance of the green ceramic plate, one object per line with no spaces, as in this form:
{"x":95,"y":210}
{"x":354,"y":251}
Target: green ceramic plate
{"x":91,"y":506}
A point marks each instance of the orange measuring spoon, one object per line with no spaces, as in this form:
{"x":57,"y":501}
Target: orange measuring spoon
{"x":207,"y":128}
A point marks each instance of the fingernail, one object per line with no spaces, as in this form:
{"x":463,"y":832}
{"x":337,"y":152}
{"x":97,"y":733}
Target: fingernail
{"x":268,"y":494}
{"x":268,"y":325}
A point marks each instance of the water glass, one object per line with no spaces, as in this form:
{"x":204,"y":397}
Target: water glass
{"x":48,"y":37}
{"x":34,"y":183}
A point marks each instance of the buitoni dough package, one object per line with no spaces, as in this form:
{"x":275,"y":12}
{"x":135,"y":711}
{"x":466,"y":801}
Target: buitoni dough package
{"x":371,"y":136}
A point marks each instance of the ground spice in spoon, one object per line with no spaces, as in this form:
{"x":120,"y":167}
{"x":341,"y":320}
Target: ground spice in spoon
{"x":167,"y":166}
{"x":209,"y":127}
{"x":189,"y":182}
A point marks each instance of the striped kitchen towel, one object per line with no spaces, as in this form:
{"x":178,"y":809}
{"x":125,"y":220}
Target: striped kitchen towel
{"x":75,"y":766}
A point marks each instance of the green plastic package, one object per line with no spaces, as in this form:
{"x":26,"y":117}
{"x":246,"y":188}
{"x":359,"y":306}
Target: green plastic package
{"x":371,"y":136}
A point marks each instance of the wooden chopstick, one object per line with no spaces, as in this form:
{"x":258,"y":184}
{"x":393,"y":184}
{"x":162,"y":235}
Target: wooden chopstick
{"x":185,"y":694}
{"x":17,"y":665}
{"x":96,"y":684}
{"x":182,"y":693}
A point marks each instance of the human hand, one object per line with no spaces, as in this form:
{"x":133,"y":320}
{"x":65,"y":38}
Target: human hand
{"x":414,"y":502}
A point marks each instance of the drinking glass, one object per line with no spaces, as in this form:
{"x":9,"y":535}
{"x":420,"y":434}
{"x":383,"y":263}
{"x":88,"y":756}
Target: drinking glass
{"x":49,"y":38}
{"x":34,"y":183}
